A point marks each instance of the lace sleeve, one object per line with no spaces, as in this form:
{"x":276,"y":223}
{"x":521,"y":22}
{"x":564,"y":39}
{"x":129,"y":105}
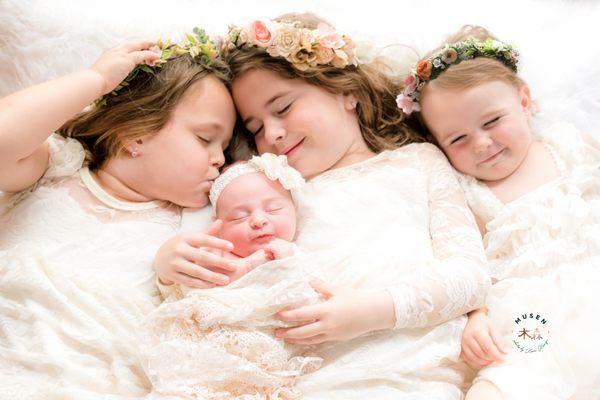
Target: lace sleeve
{"x":66,"y":157}
{"x":457,"y":281}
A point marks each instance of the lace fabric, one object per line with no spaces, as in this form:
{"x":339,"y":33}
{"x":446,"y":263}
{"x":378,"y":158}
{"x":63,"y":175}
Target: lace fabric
{"x":544,"y":253}
{"x":76,"y":281}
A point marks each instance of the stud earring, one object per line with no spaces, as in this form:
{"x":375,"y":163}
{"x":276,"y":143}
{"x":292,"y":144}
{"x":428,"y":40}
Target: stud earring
{"x":134,"y":152}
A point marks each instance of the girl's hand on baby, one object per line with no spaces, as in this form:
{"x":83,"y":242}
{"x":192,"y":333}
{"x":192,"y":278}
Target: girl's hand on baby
{"x":481,"y":343}
{"x":115,"y":64}
{"x":185,"y":259}
{"x":344,"y":315}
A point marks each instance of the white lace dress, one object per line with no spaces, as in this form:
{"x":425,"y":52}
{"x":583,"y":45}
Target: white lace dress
{"x":76,"y":280}
{"x":544,"y":255}
{"x":397,"y":221}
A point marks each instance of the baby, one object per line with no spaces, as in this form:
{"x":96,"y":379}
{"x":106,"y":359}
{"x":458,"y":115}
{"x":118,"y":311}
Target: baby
{"x":218,"y":343}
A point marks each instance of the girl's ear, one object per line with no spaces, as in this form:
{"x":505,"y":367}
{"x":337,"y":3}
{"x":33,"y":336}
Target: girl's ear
{"x":526,"y":102}
{"x":350,"y":102}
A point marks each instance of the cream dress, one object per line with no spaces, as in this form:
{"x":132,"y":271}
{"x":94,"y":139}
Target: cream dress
{"x":544,"y":255}
{"x":76,"y":280}
{"x":397,"y":221}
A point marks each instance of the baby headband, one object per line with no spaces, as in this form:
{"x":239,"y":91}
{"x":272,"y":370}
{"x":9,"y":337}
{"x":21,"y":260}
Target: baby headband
{"x":302,"y":47}
{"x":274,"y":167}
{"x":198,"y":45}
{"x":430,"y":68}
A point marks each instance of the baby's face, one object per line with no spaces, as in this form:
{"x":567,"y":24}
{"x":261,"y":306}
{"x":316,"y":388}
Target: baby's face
{"x":255,"y":210}
{"x":484,"y":130}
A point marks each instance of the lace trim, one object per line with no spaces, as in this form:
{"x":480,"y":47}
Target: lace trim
{"x":111,"y":201}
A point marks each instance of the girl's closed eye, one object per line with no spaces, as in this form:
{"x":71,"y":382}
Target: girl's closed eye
{"x":285,"y":109}
{"x":492,"y":122}
{"x":204,"y":139}
{"x":458,"y":139}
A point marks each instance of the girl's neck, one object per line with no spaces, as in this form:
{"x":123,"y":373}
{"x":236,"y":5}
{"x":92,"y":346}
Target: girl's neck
{"x":111,"y":181}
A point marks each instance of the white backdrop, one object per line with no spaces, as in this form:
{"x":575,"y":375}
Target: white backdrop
{"x":558,"y":40}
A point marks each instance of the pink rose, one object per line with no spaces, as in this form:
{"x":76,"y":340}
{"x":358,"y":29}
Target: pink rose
{"x":261,"y":35}
{"x":406,"y":104}
{"x":410,"y":84}
{"x":329,"y":37}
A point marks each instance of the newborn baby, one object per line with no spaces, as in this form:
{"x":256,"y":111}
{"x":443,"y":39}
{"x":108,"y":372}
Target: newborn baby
{"x":218,"y":343}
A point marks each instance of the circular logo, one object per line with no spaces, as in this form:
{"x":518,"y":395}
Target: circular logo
{"x":531,"y":333}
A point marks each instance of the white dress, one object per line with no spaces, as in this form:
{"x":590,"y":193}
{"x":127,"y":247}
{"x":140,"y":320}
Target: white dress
{"x":398,"y":221}
{"x":544,"y":255}
{"x":76,"y":280}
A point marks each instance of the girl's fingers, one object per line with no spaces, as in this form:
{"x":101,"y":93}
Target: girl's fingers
{"x":207,"y":259}
{"x":197,"y":272}
{"x":192,"y":282}
{"x":490,"y":348}
{"x":473,"y":360}
{"x":144,"y":56}
{"x":474,"y":346}
{"x":321,"y":287}
{"x":301,"y":332}
{"x":301,"y":314}
{"x":136,"y":45}
{"x":313,"y":340}
{"x":201,"y":239}
{"x":499,"y":341}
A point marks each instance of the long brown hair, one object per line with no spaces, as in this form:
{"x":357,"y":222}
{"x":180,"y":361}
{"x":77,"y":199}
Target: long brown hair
{"x":382,"y":124}
{"x":140,"y":109}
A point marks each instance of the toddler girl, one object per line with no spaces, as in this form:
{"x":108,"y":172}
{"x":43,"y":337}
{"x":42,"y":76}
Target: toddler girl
{"x":537,"y":200}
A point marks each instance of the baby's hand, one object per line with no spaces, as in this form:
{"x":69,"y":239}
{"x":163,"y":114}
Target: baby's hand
{"x":481,"y":343}
{"x":279,"y":248}
{"x":115,"y":64}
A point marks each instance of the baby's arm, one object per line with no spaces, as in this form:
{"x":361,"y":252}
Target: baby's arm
{"x":30,"y":116}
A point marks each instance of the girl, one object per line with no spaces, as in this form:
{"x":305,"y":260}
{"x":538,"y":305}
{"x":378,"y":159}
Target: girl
{"x":404,"y":248}
{"x":85,"y":209}
{"x":537,"y":198}
{"x":197,"y":335}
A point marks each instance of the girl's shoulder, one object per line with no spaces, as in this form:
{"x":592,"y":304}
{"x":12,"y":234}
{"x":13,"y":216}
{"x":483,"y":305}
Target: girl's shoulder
{"x":571,"y":145}
{"x":66,"y":158}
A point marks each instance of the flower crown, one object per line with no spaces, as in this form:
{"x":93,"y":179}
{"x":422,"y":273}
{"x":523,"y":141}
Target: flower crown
{"x":274,"y":167}
{"x":302,"y":47}
{"x":198,"y":45}
{"x":432,"y":67}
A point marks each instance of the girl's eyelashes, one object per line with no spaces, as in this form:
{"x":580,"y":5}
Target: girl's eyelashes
{"x":284,"y":109}
{"x":492,"y":121}
{"x":203,"y":139}
{"x":457,"y":139}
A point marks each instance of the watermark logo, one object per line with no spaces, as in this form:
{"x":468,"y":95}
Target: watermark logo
{"x":531,"y":333}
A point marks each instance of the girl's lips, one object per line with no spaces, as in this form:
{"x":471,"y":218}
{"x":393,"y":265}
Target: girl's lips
{"x":493,"y":157}
{"x":291,"y":150}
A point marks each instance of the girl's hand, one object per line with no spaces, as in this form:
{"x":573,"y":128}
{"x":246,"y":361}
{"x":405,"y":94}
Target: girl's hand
{"x":185,"y":259}
{"x":344,"y":315}
{"x":481,"y":343}
{"x":115,"y":64}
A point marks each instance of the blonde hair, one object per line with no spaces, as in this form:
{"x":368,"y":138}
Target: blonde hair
{"x":140,"y":109}
{"x":382,"y":124}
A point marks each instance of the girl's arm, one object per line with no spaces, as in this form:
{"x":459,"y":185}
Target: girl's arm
{"x":454,"y":283}
{"x":30,"y":116}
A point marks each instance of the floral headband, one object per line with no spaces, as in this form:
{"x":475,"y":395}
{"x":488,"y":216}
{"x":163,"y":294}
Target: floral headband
{"x":274,"y":167}
{"x":198,"y":46}
{"x":302,"y":47}
{"x":429,"y":69}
